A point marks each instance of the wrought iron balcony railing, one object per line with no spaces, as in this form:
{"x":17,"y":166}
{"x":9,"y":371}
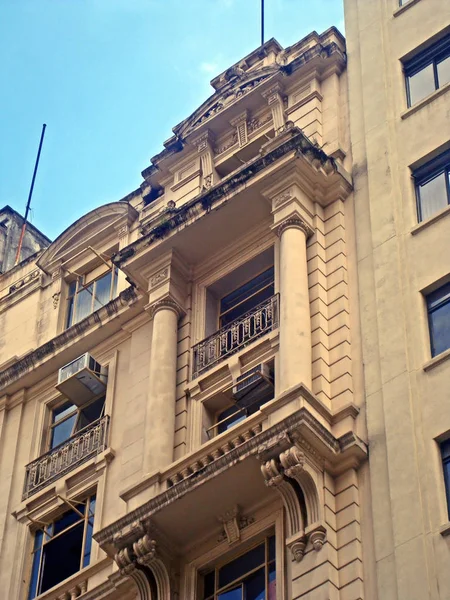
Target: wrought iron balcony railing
{"x":236,"y":335}
{"x":82,"y":446}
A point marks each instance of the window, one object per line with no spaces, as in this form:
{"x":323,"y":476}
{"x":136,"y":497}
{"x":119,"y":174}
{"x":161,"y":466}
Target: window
{"x":85,"y":296}
{"x":68,"y":419}
{"x":252,"y":389}
{"x":438,"y":303}
{"x":428,"y":71}
{"x":251,"y":576}
{"x":62,"y":547}
{"x":433,"y":186}
{"x":445,"y":453}
{"x":246,"y":297}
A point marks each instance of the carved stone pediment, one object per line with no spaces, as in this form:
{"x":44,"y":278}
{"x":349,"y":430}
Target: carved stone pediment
{"x":236,"y":83}
{"x":91,"y":229}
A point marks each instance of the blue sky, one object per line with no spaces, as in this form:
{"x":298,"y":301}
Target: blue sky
{"x":111,"y":78}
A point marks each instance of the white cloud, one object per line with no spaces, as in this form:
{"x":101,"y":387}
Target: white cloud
{"x":209,"y":67}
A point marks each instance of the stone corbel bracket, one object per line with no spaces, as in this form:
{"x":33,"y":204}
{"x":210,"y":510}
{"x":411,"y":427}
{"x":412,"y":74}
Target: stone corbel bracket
{"x":139,"y":554}
{"x":297,"y":479}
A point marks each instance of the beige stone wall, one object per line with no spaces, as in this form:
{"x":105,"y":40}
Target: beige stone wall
{"x":301,"y":205}
{"x":406,"y":404}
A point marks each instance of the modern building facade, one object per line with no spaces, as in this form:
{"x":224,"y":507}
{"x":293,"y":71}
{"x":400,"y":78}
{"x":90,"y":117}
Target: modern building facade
{"x":185,"y":377}
{"x":399,"y":98}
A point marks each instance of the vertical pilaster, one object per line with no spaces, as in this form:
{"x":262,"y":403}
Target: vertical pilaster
{"x":205,"y":149}
{"x":275,"y":102}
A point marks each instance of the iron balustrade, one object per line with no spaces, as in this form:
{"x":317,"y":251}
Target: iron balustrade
{"x":236,"y":335}
{"x":82,"y":446}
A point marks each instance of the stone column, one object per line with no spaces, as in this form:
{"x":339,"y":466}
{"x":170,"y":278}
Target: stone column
{"x":295,"y":321}
{"x":160,"y":414}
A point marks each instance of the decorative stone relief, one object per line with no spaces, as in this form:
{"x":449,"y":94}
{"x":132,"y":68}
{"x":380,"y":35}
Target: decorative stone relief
{"x":296,"y":223}
{"x":282,"y":198}
{"x":159,"y":277}
{"x":55,"y":299}
{"x":165,"y":303}
{"x":233,"y":522}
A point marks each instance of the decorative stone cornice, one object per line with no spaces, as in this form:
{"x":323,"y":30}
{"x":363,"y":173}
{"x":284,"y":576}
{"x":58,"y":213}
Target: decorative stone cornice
{"x":266,"y":444}
{"x":167,"y":303}
{"x":294,"y":222}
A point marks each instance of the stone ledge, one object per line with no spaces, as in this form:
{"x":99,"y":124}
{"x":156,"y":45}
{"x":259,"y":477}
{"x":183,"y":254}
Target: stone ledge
{"x":437,"y":360}
{"x":401,"y":9}
{"x":413,"y":109}
{"x":424,"y":224}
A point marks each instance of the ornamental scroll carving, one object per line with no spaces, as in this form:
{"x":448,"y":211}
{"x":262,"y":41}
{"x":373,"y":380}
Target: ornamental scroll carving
{"x":295,"y":223}
{"x":303,"y":513}
{"x":165,"y":304}
{"x":133,"y":561}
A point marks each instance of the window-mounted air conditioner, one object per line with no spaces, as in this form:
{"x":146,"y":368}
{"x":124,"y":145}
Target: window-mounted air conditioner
{"x":82,"y":379}
{"x":254,"y":386}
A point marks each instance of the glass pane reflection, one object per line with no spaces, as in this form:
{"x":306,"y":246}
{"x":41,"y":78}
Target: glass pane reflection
{"x":421,"y":84}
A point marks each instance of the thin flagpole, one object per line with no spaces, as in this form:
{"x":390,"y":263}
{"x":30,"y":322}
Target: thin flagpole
{"x":27,"y":210}
{"x":262,"y":22}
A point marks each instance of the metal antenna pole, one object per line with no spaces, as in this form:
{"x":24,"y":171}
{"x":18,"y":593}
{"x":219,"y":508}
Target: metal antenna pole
{"x":27,"y":210}
{"x":262,"y":22}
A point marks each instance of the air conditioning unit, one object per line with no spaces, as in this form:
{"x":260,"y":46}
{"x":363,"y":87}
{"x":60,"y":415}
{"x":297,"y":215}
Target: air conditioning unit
{"x":82,"y":379}
{"x":254,"y":386}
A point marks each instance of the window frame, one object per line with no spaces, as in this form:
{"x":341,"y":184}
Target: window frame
{"x":432,"y":55}
{"x":77,"y":410}
{"x":221,"y":313}
{"x":426,"y":173}
{"x":443,"y":301}
{"x":220,"y":564}
{"x":445,"y":459}
{"x":35,"y":578}
{"x":80,"y":285}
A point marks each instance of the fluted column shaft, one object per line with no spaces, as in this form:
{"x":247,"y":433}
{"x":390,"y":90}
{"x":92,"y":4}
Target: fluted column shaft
{"x":295,"y":320}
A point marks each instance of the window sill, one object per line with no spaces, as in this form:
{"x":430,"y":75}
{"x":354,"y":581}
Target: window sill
{"x":76,"y":583}
{"x":444,"y":530}
{"x":424,"y":224}
{"x":413,"y":109}
{"x":437,"y":360}
{"x":401,"y":9}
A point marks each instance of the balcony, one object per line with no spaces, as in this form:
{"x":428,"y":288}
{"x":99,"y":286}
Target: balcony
{"x":86,"y":444}
{"x":232,"y":338}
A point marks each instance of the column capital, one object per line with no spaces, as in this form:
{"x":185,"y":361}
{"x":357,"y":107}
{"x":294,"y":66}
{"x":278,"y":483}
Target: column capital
{"x":166,"y":303}
{"x":293,"y":222}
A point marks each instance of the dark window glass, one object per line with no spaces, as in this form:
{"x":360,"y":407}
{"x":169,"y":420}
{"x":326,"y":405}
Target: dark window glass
{"x":255,"y":586}
{"x":209,"y":584}
{"x":233,"y":416}
{"x":63,"y":550}
{"x":246,"y":297}
{"x":90,"y":413}
{"x":428,"y":70}
{"x":250,"y":576}
{"x":445,"y":451}
{"x":238,"y":567}
{"x":433,"y":186}
{"x":62,"y":431}
{"x":438,"y":303}
{"x":234,"y":594}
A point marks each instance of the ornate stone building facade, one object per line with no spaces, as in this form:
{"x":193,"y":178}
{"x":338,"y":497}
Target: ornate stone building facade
{"x":182,"y":391}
